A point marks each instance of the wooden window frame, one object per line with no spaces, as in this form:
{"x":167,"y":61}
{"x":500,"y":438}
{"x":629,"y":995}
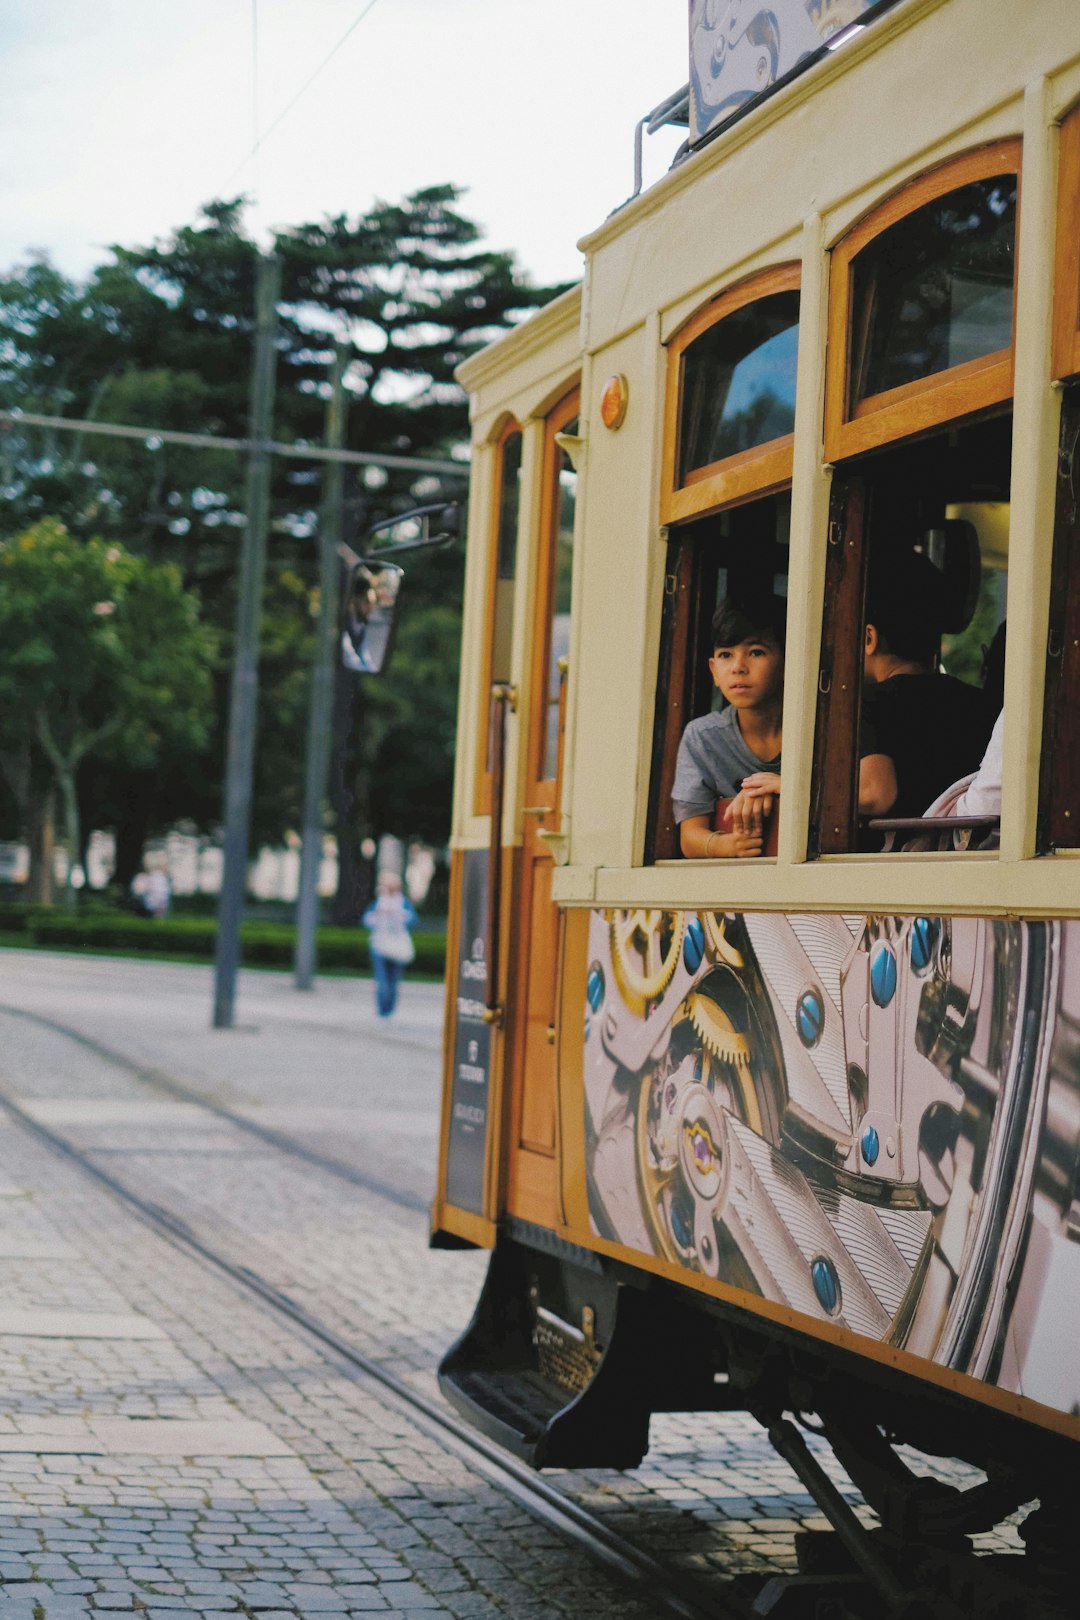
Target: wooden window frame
{"x":497,"y":446}
{"x":762,"y":469}
{"x":945,"y":396}
{"x":680,"y":653}
{"x":1066,"y":340}
{"x":690,"y":580}
{"x":834,"y":815}
{"x":565,"y":409}
{"x":1058,"y":824}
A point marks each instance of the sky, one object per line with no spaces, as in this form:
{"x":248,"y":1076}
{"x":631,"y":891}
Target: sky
{"x":121,"y":117}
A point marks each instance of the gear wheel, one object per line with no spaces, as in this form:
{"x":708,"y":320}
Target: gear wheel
{"x":715,"y":925}
{"x":718,"y":1033}
{"x":716,"y":1056}
{"x":645,"y":946}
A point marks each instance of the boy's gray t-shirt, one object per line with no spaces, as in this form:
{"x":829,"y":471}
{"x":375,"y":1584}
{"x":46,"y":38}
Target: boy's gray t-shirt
{"x":713,"y":759}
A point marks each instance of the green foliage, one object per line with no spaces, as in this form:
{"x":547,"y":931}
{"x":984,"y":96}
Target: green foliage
{"x":263,"y":944}
{"x":408,"y":724}
{"x":100,"y":652}
{"x":963,"y":654}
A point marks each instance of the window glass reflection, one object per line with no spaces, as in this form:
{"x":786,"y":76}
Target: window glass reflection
{"x":562,"y":564}
{"x":505,"y":557}
{"x":739,"y":382}
{"x":935,"y":289}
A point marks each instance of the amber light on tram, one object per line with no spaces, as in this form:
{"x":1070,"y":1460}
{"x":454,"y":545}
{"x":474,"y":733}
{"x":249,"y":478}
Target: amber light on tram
{"x":614,"y":400}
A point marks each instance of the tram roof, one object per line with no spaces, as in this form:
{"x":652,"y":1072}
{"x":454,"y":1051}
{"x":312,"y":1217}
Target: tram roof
{"x":537,"y":332}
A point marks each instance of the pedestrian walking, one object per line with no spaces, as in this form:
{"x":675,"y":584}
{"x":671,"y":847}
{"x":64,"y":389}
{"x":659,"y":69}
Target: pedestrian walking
{"x":151,"y":891}
{"x":389,"y":917}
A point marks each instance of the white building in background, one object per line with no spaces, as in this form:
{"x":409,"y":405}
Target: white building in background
{"x":195,"y":865}
{"x":14,"y":863}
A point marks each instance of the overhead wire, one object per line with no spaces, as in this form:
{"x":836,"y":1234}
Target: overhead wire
{"x":304,"y":88}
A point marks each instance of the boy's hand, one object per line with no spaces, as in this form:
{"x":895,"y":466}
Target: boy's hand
{"x":700,"y":840}
{"x":736,"y":845}
{"x":753,"y":805}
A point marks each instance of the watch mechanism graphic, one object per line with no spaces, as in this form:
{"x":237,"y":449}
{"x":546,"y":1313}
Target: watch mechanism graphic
{"x":873,"y":1121}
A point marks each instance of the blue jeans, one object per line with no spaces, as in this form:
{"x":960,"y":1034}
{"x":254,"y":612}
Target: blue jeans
{"x":387,"y":978}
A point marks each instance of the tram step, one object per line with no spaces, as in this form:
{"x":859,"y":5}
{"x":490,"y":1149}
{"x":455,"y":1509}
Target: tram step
{"x":499,"y":1373}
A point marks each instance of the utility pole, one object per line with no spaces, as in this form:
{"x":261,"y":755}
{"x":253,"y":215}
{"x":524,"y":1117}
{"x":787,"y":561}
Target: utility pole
{"x":322,"y":675}
{"x":243,"y":700}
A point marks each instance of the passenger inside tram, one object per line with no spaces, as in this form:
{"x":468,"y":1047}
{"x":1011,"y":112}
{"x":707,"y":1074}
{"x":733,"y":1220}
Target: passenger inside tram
{"x":931,"y":634}
{"x":920,"y":728}
{"x":982,"y":795}
{"x":727,"y":774}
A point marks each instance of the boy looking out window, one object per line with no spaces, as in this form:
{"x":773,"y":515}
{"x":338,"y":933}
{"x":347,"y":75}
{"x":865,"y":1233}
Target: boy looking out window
{"x":735,"y":753}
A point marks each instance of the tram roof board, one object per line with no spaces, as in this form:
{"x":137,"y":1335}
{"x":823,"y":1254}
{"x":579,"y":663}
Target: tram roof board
{"x":742,"y":52}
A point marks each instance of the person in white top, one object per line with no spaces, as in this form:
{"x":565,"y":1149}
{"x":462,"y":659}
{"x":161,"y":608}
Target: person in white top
{"x":982,"y":796}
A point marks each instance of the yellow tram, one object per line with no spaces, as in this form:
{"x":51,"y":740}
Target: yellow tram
{"x":799,"y":1131}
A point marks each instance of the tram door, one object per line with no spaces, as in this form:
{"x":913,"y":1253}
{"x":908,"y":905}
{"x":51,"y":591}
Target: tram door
{"x":531,"y":988}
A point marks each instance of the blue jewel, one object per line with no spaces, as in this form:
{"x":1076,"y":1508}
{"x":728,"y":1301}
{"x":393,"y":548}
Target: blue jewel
{"x":924,"y":932}
{"x":826,"y":1284}
{"x":810,"y":1017}
{"x":871,"y":1146}
{"x":594,"y":988}
{"x":681,"y":1229}
{"x":694,"y":944}
{"x":882,"y":973}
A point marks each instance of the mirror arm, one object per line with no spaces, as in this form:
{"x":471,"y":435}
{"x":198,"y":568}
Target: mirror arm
{"x":409,"y":545}
{"x":449,"y":511}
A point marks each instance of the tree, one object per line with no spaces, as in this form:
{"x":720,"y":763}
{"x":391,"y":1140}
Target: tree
{"x":161,"y":336}
{"x":102,"y":655}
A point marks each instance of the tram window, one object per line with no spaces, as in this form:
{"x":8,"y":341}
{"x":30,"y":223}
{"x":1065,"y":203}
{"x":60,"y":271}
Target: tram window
{"x":1058,"y":825}
{"x":916,"y":599}
{"x":731,"y":397}
{"x":742,"y":555}
{"x":921,"y":305}
{"x":1067,"y":261}
{"x":505,"y":556}
{"x":936,"y":289}
{"x":739,"y":383}
{"x":564,"y":498}
{"x":507,"y":501}
{"x":1059,"y":781}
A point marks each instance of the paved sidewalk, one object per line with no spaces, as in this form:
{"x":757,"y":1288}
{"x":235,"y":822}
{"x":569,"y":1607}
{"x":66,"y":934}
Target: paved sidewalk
{"x":168,"y":1447}
{"x":318,"y":1065}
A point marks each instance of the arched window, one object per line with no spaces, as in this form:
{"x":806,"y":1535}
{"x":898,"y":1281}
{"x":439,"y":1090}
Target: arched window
{"x":728,"y":449}
{"x":502,"y":571}
{"x":920,"y":370}
{"x":1059,"y":783}
{"x":921,"y":304}
{"x":731,"y":396}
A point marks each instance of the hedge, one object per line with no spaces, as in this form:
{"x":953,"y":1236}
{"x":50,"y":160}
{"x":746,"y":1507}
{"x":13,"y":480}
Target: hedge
{"x":263,"y":944}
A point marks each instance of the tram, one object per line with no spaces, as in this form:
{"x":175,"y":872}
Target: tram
{"x":796,"y":1133}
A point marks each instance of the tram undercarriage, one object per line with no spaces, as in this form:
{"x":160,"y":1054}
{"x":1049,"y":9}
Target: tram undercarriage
{"x":569,"y":1355}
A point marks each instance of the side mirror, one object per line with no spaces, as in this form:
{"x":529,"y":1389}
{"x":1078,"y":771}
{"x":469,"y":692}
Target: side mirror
{"x":370,"y":613}
{"x":367,"y":629}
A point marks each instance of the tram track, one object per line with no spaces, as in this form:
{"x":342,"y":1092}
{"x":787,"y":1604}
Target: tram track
{"x":671,"y":1592}
{"x":170,"y":1085}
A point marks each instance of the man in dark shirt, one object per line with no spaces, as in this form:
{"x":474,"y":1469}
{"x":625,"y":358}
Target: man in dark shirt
{"x":921,"y":730}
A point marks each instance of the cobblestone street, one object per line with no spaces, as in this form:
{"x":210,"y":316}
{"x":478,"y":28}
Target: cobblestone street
{"x":168,"y":1443}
